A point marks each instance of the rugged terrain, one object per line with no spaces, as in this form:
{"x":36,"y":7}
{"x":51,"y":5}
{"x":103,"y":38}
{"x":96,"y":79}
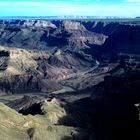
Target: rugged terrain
{"x":40,"y":53}
{"x":39,"y":127}
{"x":69,"y":79}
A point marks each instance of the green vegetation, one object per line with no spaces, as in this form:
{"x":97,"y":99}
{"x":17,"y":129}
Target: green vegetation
{"x":39,"y":127}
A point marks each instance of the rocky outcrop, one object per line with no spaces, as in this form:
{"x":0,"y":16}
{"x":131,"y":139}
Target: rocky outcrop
{"x":32,"y":36}
{"x":43,"y":34}
{"x":25,"y":102}
{"x":123,"y":81}
{"x":52,"y":51}
{"x":19,"y":84}
{"x":4,"y":58}
{"x":122,"y":38}
{"x":38,"y":70}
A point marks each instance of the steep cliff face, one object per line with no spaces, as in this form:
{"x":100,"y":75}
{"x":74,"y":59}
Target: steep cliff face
{"x":38,"y":34}
{"x":123,"y":81}
{"x":122,"y":38}
{"x":33,"y":70}
{"x":52,"y":51}
{"x":41,"y":34}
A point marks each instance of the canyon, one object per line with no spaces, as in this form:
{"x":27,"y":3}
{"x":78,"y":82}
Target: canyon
{"x":78,"y":77}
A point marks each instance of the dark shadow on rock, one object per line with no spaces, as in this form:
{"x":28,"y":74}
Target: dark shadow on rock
{"x":33,"y":110}
{"x":106,"y":118}
{"x":31,"y":132}
{"x":77,"y":136}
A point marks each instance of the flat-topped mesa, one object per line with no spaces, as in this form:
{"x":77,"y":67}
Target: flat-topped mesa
{"x":73,"y":25}
{"x":43,"y":34}
{"x":29,"y":23}
{"x":39,"y":23}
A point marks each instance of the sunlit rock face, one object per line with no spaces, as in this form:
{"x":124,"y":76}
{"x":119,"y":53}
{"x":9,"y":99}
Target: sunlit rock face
{"x":43,"y":53}
{"x":70,"y":79}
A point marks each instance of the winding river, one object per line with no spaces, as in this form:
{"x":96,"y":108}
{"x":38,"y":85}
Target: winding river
{"x":69,"y":88}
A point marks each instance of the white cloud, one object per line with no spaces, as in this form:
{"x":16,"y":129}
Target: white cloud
{"x":133,"y":1}
{"x":63,"y":8}
{"x":102,"y":10}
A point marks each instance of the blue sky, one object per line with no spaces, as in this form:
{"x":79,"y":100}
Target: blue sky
{"x":125,"y":8}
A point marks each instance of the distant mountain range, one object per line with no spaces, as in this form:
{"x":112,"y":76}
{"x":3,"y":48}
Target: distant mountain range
{"x":66,"y":17}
